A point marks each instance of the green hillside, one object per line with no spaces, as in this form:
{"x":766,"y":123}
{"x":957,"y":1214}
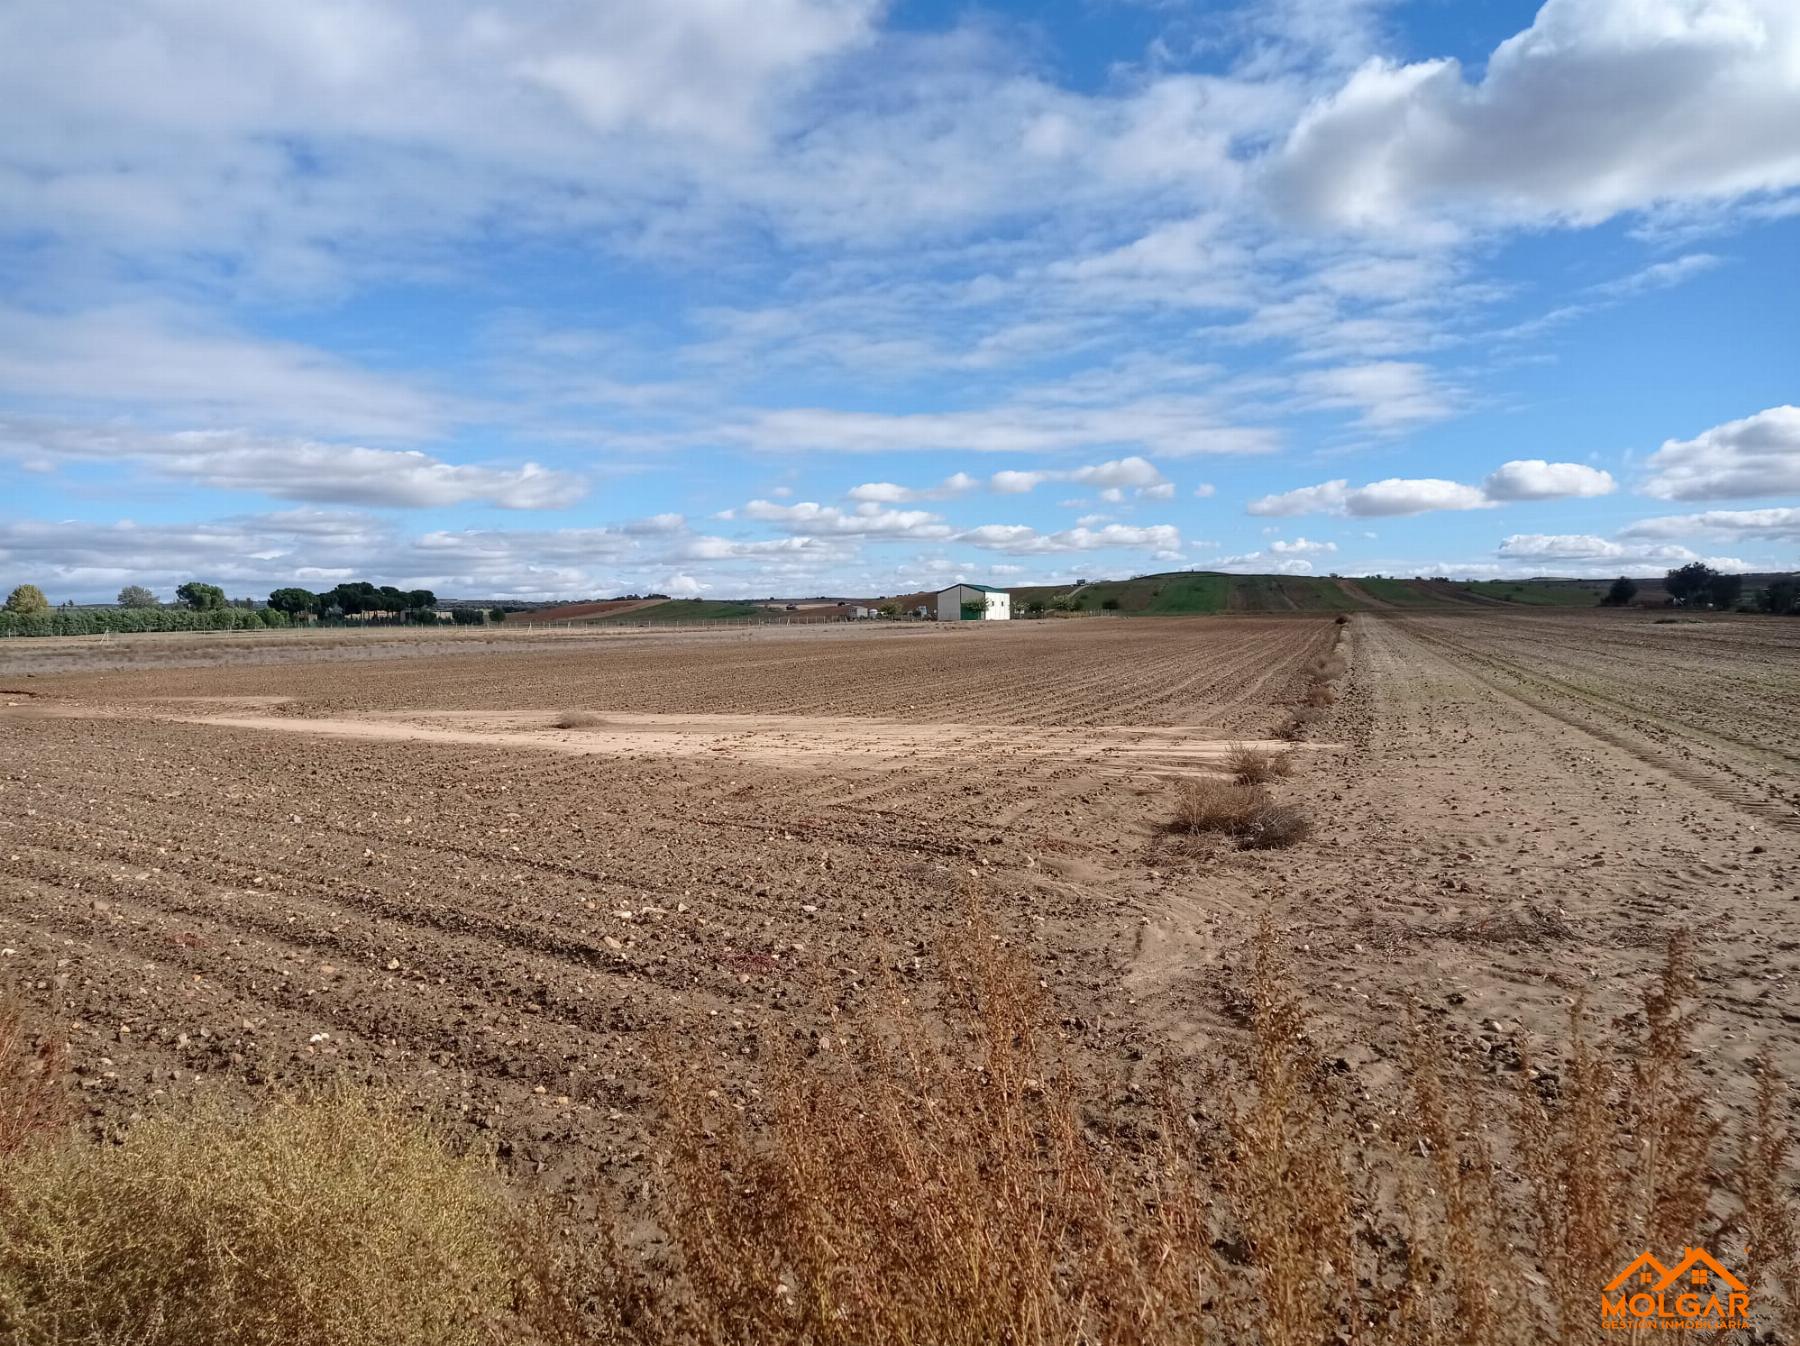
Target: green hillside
{"x":1180,"y":593}
{"x":1542,"y":593}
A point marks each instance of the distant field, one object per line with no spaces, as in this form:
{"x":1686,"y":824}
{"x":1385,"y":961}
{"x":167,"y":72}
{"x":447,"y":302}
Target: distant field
{"x":690,"y":610}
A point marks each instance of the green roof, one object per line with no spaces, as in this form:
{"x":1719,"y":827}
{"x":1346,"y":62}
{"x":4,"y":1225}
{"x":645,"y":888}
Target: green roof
{"x":984,"y":588}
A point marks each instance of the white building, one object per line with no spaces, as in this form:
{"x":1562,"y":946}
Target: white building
{"x":973,"y":603}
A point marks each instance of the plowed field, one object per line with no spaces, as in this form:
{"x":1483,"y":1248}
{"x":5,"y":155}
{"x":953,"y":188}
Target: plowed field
{"x":499,"y":877}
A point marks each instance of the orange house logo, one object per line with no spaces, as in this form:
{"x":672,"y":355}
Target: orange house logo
{"x":1696,"y":1295}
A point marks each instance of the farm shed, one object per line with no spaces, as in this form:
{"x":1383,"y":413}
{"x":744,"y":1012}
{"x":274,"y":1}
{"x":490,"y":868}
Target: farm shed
{"x":973,"y":603}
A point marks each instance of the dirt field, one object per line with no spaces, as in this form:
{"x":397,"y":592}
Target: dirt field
{"x":229,"y":871}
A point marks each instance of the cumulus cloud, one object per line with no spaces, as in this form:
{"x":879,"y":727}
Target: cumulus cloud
{"x":1269,"y":562}
{"x":888,"y":493}
{"x":1162,"y":540}
{"x":1521,"y":479}
{"x":1591,"y":554}
{"x":1535,"y":479}
{"x":868,"y":520}
{"x":1748,"y":525}
{"x":1395,"y":495}
{"x":1113,"y":479}
{"x":300,"y":469}
{"x":1600,"y":106}
{"x":1301,"y":546}
{"x":1758,"y":455}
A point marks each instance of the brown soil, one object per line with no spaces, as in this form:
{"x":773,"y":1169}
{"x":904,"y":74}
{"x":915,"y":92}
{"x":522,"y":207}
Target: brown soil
{"x":262,"y":874}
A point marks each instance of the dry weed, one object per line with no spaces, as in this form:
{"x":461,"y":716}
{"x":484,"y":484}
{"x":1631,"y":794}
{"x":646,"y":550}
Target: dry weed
{"x":334,"y":1221}
{"x":578,"y":719}
{"x":34,"y":1105}
{"x":946,"y":1176}
{"x":1258,"y":766}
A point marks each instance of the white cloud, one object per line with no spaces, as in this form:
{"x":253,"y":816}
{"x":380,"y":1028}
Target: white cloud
{"x":1173,"y":427}
{"x":888,"y":493}
{"x":867,"y":520}
{"x":1758,"y":455}
{"x":1588,"y":554}
{"x":1389,"y":394}
{"x":1521,"y":479}
{"x":1302,"y":546}
{"x":1113,"y":478}
{"x":1395,"y":495}
{"x":1271,"y":562}
{"x":1748,"y":525}
{"x":1021,"y":540}
{"x":1601,"y":106}
{"x":196,"y":370}
{"x":1535,"y":479}
{"x":300,"y":469}
{"x":1205,"y":491}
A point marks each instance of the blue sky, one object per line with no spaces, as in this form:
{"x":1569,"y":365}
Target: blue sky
{"x":827,"y":296}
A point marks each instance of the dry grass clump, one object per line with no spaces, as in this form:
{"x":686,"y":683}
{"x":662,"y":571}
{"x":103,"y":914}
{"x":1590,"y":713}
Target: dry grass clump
{"x":332,"y":1221}
{"x":1274,"y":827}
{"x":578,"y":719}
{"x":34,"y":1105}
{"x":1245,"y":813}
{"x":1318,"y":691}
{"x":1299,"y":720}
{"x":1258,"y":766}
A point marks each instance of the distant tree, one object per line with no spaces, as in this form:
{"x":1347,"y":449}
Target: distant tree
{"x":201,"y":597}
{"x":1690,"y":583}
{"x":1780,"y":595}
{"x":420,"y":598}
{"x":295,"y":602}
{"x":467,"y":616}
{"x":352,"y":597}
{"x":27,"y":601}
{"x":497,"y":614}
{"x":1622,"y":592}
{"x":1724,"y":590}
{"x":1110,"y":604}
{"x":137,"y":596}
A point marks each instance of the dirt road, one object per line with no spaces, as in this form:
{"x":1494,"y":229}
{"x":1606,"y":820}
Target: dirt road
{"x":1524,"y":809}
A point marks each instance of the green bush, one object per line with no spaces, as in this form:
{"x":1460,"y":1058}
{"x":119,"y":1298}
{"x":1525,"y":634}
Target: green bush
{"x":336,"y":1222}
{"x":99,"y":621}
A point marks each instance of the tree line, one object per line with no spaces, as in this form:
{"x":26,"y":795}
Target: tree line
{"x":204,"y":607}
{"x":1697,"y":584}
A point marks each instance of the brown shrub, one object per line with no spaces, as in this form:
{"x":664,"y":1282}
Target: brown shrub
{"x":1208,"y":804}
{"x":1299,"y":720}
{"x":1245,"y":813}
{"x":1257,"y":766}
{"x":1273,"y":827}
{"x":34,"y":1105}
